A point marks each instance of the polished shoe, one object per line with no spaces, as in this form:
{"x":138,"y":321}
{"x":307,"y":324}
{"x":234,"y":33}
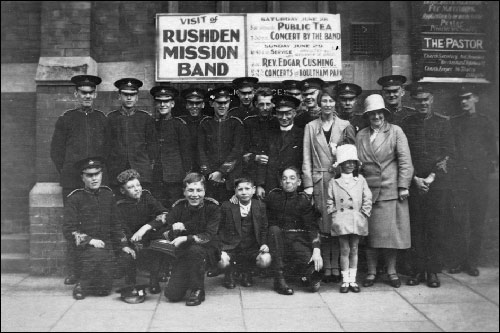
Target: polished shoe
{"x":455,"y":269}
{"x":314,"y":285}
{"x":344,"y":287}
{"x":155,"y":288}
{"x":246,"y":280}
{"x":197,"y":296}
{"x":78,"y":293}
{"x":71,"y":279}
{"x":229,"y":279}
{"x":415,"y":279}
{"x":394,"y":281}
{"x":353,"y":286}
{"x":433,"y":280}
{"x":281,"y":287}
{"x":213,"y":272}
{"x":472,"y":271}
{"x":369,"y":280}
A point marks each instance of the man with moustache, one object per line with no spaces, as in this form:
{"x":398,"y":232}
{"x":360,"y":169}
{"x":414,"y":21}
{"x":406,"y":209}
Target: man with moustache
{"x":310,"y":89}
{"x":195,"y":103}
{"x":173,"y":161}
{"x":220,"y":146}
{"x":431,"y":145}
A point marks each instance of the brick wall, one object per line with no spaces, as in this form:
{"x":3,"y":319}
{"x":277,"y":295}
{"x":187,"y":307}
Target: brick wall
{"x":20,"y":31}
{"x":18,"y":162}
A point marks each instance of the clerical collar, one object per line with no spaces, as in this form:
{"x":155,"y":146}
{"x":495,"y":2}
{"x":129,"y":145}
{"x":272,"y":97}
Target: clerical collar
{"x":286,"y":129}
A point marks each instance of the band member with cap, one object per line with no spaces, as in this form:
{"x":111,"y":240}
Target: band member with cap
{"x":387,"y":167}
{"x":283,"y":147}
{"x":347,"y":94}
{"x":292,"y":88}
{"x":321,"y":138}
{"x":137,"y":208}
{"x":130,"y":135}
{"x":174,"y":159}
{"x":432,"y":146}
{"x":257,"y":131}
{"x":477,"y":157}
{"x":243,"y":233}
{"x":191,"y":227}
{"x":78,"y":133}
{"x":393,"y":92}
{"x":195,"y":104}
{"x":245,"y":90}
{"x":294,"y":240}
{"x":91,"y":223}
{"x":310,"y":89}
{"x":220,"y":145}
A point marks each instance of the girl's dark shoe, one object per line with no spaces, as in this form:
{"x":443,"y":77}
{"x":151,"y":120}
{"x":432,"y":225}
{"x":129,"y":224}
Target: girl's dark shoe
{"x":353,"y":286}
{"x":344,"y":288}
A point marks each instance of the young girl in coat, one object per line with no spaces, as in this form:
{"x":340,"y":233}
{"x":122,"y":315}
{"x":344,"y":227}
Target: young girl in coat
{"x":349,"y":204}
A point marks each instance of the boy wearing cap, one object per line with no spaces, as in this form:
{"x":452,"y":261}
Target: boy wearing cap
{"x":245,"y":90}
{"x":130,"y":135}
{"x":195,"y":104}
{"x":78,"y":133}
{"x":431,"y":145}
{"x":393,"y":92}
{"x":220,"y":145}
{"x":90,"y":223}
{"x":174,"y":156}
{"x":284,"y":146}
{"x":137,"y":208}
{"x":310,"y":89}
{"x":257,"y":131}
{"x":476,"y":158}
{"x":243,"y":232}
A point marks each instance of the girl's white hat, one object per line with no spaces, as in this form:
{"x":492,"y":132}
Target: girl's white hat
{"x":346,"y":153}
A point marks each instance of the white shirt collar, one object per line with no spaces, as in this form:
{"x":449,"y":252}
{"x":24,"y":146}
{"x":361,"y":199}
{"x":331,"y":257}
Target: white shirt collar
{"x":286,"y":129}
{"x":245,"y":209}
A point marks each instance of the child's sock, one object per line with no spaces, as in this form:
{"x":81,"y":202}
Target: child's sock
{"x":352,"y":275}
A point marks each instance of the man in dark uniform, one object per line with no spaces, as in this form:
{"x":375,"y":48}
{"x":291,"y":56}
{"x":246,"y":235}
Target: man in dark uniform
{"x":79,"y":133}
{"x":292,"y":88}
{"x":192,"y":228}
{"x":130,"y":136}
{"x":431,"y":145}
{"x":284,"y":146}
{"x":137,"y":208}
{"x":346,"y":100}
{"x":195,"y":103}
{"x":220,"y":145}
{"x":257,"y":131}
{"x":476,"y":157}
{"x":90,"y":222}
{"x":174,"y":158}
{"x":293,"y":234}
{"x":245,"y":90}
{"x":393,"y":92}
{"x":310,"y":89}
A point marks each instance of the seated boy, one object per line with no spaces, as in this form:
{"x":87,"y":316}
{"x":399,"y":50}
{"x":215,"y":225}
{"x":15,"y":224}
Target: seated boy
{"x":243,"y":232}
{"x":137,"y":208}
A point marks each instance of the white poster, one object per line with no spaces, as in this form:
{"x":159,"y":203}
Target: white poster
{"x":294,"y":46}
{"x":202,"y":48}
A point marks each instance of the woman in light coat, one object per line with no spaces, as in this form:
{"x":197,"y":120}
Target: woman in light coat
{"x":321,"y":137}
{"x":383,"y":149}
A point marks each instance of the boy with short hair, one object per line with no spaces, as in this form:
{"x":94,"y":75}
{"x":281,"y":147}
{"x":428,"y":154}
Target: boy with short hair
{"x":137,"y":208}
{"x":243,"y":232}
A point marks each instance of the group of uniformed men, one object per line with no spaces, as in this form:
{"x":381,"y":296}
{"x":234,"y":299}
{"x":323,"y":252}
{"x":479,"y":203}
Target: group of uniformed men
{"x":259,"y":139}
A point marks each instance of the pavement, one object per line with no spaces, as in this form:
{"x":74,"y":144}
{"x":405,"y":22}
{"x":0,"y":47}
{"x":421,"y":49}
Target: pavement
{"x":462,"y":303}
